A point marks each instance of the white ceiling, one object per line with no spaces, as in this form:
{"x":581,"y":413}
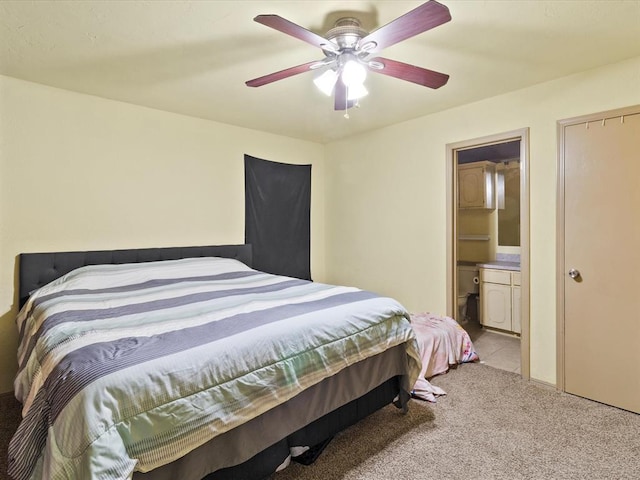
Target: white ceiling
{"x":193,"y":57}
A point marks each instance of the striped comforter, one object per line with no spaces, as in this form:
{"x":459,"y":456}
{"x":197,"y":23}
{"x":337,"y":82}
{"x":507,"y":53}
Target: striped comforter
{"x":124,"y":368}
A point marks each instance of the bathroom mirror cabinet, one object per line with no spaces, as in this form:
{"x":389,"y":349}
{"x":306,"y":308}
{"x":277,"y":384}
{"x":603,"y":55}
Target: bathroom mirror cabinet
{"x":508,"y":196}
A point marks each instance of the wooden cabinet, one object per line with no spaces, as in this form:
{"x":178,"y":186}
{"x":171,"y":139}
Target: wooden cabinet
{"x":476,"y":185}
{"x":496,"y":305}
{"x":500,"y":299}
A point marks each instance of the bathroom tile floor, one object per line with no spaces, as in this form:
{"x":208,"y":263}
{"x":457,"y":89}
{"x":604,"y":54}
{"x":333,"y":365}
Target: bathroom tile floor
{"x":495,"y":349}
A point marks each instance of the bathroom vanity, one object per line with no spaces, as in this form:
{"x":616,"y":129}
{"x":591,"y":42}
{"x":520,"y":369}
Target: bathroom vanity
{"x":500,"y":295}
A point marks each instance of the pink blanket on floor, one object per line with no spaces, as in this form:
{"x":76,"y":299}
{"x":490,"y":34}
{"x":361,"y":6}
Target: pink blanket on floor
{"x":443,"y":342}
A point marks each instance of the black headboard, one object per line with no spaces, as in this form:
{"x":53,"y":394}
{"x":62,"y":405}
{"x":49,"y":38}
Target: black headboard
{"x":38,"y":269}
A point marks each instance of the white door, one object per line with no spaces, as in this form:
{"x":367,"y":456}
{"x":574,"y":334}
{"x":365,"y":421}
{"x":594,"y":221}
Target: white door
{"x":601,"y":250}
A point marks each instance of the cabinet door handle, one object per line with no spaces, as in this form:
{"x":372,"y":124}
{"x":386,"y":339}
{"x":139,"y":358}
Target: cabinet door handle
{"x":573,"y":273}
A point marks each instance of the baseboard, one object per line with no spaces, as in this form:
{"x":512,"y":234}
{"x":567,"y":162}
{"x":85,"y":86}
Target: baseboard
{"x":542,"y":383}
{"x":501,"y":332}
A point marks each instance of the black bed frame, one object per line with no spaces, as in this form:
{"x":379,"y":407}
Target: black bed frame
{"x":38,"y":269}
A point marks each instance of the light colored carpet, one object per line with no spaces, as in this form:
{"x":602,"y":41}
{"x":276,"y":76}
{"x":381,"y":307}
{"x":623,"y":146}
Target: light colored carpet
{"x":491,"y":425}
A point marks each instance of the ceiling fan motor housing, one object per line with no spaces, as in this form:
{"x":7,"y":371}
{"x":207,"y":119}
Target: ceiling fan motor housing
{"x":346,"y":33}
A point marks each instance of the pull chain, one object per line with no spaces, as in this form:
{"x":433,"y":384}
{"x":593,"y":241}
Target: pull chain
{"x":346,"y":103}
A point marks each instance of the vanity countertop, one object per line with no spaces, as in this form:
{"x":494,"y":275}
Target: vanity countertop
{"x":501,"y":265}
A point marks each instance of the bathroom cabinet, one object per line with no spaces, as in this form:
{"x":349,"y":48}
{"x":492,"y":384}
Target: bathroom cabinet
{"x":500,"y":299}
{"x":476,"y":185}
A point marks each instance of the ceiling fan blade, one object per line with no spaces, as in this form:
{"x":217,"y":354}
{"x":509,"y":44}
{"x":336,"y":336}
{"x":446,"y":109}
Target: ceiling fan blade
{"x":425,"y":17}
{"x":286,"y":73}
{"x":285,"y":26}
{"x":410,"y":73}
{"x":340,"y":96}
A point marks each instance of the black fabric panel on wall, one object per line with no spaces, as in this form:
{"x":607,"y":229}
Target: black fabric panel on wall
{"x":278,"y":216}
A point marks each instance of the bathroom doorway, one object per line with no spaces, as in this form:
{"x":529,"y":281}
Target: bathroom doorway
{"x":488,"y":246}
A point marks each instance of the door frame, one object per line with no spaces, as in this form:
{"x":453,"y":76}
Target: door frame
{"x":452,"y":149}
{"x":560,"y":218}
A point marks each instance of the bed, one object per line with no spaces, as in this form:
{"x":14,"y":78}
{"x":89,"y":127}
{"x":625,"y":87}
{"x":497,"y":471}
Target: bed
{"x":256,"y":367}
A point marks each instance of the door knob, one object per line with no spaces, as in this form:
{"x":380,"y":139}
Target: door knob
{"x":573,"y":273}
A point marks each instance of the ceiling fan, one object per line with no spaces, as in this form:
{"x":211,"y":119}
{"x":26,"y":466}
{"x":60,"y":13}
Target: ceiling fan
{"x":350,"y":51}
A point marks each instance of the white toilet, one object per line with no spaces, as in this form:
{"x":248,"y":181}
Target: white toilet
{"x":467,"y":284}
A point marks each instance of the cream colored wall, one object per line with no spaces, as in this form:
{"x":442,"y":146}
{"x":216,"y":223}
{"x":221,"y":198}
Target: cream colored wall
{"x":79,"y":172}
{"x":385,"y":205}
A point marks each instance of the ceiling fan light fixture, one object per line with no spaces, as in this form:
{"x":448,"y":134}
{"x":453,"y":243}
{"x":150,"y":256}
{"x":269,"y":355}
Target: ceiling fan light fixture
{"x":326,"y":81}
{"x":353,"y":73}
{"x":356,"y":91}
